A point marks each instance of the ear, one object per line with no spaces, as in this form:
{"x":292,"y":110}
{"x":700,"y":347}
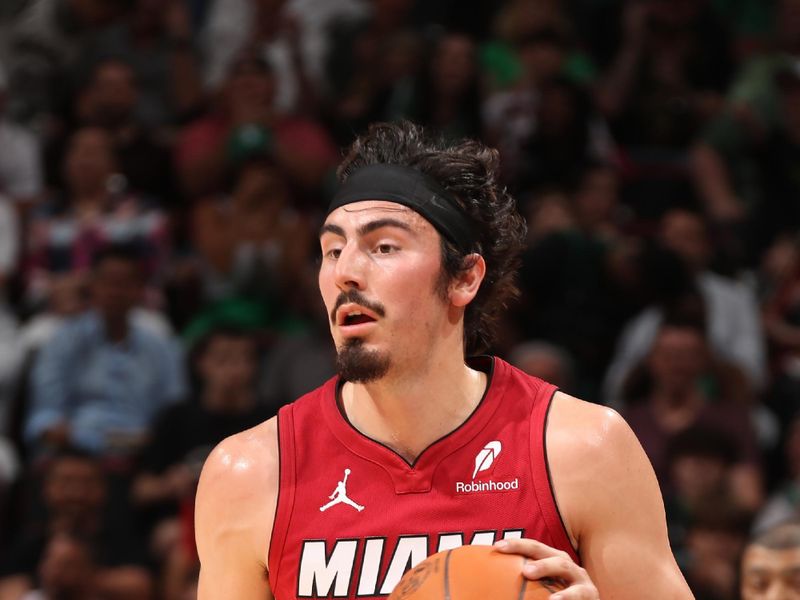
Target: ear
{"x":467,"y":283}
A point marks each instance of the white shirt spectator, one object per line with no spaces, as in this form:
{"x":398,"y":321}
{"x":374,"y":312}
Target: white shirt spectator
{"x":230,"y":26}
{"x":733,"y":325}
{"x":20,"y":161}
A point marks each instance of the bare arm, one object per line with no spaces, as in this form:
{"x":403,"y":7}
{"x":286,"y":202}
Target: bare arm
{"x":609,"y":496}
{"x":714,"y":184}
{"x":236,"y":501}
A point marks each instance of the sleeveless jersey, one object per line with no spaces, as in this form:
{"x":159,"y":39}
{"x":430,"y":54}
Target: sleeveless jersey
{"x":353,"y":516}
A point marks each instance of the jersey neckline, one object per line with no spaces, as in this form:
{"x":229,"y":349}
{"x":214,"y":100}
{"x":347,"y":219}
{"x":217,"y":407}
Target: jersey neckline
{"x":416,"y":477}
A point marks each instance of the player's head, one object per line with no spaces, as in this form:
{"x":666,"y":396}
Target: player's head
{"x":770,"y":568}
{"x":423,"y":237}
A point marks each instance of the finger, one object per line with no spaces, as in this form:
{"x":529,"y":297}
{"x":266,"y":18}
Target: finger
{"x":577,"y":592}
{"x":556,"y":567}
{"x":530,"y":548}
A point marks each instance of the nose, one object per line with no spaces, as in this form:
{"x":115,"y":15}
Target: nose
{"x":350,"y":270}
{"x":779,"y":590}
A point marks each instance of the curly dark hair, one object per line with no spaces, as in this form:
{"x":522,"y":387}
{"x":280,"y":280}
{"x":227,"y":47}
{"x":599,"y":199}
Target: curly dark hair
{"x":469,"y":170}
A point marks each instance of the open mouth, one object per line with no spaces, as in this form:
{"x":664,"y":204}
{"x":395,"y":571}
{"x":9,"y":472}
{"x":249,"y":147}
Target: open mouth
{"x":354,"y":316}
{"x":357,"y":319}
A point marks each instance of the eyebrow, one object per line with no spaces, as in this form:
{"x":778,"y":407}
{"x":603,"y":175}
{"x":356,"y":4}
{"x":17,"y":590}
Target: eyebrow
{"x":367,"y":227}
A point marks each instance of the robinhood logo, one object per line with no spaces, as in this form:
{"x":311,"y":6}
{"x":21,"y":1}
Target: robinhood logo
{"x":484,"y":462}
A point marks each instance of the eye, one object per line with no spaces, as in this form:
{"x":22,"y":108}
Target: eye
{"x":333,"y":253}
{"x":385,"y":248}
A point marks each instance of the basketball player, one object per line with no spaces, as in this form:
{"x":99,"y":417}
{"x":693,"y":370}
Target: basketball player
{"x":770,"y":568}
{"x":414,"y":448}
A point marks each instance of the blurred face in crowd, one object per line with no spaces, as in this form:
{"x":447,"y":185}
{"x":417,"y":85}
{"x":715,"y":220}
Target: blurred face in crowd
{"x":453,"y":66}
{"x":148,"y":16}
{"x":770,"y":574}
{"x":116,"y":287}
{"x":259,"y":198}
{"x":74,"y":488}
{"x":95,"y":12}
{"x":541,"y":59}
{"x":66,"y":569}
{"x":788,"y":24}
{"x":596,"y":198}
{"x":685,"y":234}
{"x":676,"y":12}
{"x":250,"y":80}
{"x":697,"y":476}
{"x":678,"y":358}
{"x":229,"y":364}
{"x":790,"y":103}
{"x":541,"y":363}
{"x":112,"y":94}
{"x":89,"y":161}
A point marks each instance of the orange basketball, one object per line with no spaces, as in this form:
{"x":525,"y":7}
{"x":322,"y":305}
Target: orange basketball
{"x":472,"y":573}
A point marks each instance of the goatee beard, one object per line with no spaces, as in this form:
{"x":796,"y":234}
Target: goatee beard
{"x":356,"y":364}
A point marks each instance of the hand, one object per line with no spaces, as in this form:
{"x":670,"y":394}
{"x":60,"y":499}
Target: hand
{"x":177,"y":21}
{"x":635,"y":18}
{"x":549,"y":562}
{"x":180,"y":481}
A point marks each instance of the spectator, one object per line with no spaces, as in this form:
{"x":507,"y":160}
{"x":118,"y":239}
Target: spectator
{"x":714,"y":543}
{"x":109,"y":100}
{"x":780,"y":282}
{"x":544,"y":360}
{"x":744,"y":163}
{"x":94,"y":210}
{"x":683,"y":388}
{"x":447,"y":96}
{"x":671,"y":69}
{"x":510,"y":116}
{"x":103,"y":378}
{"x":253,"y":243}
{"x":730,"y":309}
{"x":783,"y":504}
{"x":48,"y":39}
{"x":292,"y":36}
{"x":10,"y":352}
{"x":155,"y":40}
{"x":66,"y":570}
{"x":570,"y":138}
{"x":21,"y":161}
{"x":372,"y":64}
{"x":573,"y":277}
{"x":74,"y":502}
{"x":246,"y":124}
{"x":770,"y":563}
{"x":225,"y":363}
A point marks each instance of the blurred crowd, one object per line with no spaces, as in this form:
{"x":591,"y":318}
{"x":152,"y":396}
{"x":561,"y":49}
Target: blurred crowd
{"x":164,"y":169}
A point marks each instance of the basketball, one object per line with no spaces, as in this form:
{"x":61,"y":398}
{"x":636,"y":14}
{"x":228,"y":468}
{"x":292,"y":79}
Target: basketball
{"x":472,"y":573}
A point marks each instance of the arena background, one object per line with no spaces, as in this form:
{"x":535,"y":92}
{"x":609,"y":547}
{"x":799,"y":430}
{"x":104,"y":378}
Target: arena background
{"x":165,"y":165}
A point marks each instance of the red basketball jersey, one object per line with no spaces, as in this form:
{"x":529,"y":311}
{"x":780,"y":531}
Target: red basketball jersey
{"x":353,"y":516}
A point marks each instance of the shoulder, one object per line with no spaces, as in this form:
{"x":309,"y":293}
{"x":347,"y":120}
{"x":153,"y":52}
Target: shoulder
{"x":580,"y":432}
{"x":243,"y":462}
{"x":591,"y":447}
{"x":76,"y":330}
{"x":237,"y":493}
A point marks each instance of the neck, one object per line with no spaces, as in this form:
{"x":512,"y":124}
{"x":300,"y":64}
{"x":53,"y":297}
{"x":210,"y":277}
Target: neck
{"x":676,"y":409}
{"x":228,"y":401}
{"x":116,"y":328}
{"x":409,"y":413}
{"x":89,"y":200}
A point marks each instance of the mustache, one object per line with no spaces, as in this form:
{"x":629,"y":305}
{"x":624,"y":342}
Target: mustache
{"x":355,"y":297}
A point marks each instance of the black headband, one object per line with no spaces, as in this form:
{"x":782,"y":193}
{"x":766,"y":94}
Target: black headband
{"x":414,"y":189}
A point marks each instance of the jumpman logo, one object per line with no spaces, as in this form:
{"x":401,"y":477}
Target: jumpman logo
{"x":339,"y":495}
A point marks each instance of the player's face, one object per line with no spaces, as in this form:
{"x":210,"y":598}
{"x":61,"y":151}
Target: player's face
{"x":380,"y":267}
{"x":769,"y":574}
